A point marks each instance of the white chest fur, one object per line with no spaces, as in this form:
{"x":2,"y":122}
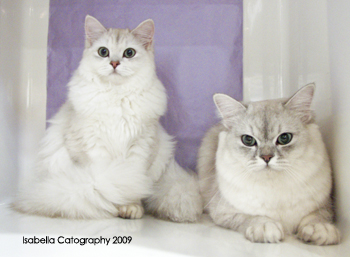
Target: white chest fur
{"x":278,"y":199}
{"x":111,"y":119}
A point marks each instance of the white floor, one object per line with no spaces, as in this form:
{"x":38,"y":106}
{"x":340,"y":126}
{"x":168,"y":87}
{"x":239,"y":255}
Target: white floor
{"x":150,"y":237}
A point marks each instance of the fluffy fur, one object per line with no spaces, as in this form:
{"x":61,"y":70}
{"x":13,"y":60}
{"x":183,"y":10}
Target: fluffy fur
{"x":105,"y":151}
{"x":268,"y":189}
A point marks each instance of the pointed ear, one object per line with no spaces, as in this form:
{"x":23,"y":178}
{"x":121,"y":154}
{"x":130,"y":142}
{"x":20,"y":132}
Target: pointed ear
{"x":300,"y":102}
{"x":93,"y":30}
{"x":144,"y":33}
{"x":229,"y":108}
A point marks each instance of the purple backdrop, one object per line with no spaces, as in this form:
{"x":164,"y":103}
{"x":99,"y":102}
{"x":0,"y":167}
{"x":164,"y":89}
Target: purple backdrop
{"x":198,"y":52}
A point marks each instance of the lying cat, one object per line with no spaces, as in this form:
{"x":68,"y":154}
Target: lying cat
{"x":264,"y":171}
{"x":105,"y":151}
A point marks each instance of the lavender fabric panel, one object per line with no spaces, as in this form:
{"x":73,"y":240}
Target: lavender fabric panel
{"x":198,"y":52}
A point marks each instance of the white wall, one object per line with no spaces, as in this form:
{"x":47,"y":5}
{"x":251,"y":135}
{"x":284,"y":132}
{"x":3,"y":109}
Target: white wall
{"x":339,"y":43}
{"x":285,"y":48}
{"x":23,"y":47}
{"x":9,"y":81}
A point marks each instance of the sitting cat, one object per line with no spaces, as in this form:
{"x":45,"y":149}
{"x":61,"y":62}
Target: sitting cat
{"x":264,"y":171}
{"x":105,"y":153}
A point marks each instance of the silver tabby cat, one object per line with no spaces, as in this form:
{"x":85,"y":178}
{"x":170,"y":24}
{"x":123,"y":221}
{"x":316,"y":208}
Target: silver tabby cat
{"x":264,"y":171}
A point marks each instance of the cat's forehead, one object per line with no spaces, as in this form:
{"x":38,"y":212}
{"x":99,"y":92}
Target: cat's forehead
{"x":117,"y":37}
{"x":266,"y":119}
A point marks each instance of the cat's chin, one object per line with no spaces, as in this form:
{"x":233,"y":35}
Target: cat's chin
{"x":114,"y":78}
{"x":267,"y":168}
{"x":117,"y":76}
{"x":114,"y":73}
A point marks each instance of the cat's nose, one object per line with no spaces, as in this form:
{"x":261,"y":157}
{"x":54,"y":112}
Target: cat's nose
{"x":266,"y":158}
{"x":114,"y":64}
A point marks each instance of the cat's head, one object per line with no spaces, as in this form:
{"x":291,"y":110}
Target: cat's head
{"x":267,"y":135}
{"x":115,"y":55}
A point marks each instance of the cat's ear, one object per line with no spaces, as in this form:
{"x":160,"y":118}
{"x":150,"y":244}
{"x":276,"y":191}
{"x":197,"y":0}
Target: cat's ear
{"x":144,"y":33}
{"x":229,"y":108}
{"x":300,"y":102}
{"x":93,"y":30}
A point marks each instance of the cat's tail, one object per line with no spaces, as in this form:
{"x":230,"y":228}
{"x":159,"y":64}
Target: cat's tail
{"x":176,"y":195}
{"x":89,"y":193}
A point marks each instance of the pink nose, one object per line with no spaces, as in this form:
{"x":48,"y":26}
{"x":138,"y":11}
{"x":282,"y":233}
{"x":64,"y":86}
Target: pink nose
{"x":114,"y":64}
{"x":266,"y":158}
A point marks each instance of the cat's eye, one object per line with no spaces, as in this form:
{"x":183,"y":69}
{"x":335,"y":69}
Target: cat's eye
{"x":103,"y":51}
{"x":284,"y":138}
{"x":129,"y":53}
{"x":248,"y":140}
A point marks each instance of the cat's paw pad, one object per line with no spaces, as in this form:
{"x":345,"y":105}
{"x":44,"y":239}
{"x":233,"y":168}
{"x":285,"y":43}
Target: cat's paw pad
{"x":132,"y":211}
{"x":267,"y":232}
{"x":319,"y":234}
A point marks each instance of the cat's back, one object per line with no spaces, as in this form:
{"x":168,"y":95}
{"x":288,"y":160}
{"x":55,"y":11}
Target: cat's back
{"x":206,"y":162}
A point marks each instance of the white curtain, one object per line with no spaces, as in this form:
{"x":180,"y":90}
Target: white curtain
{"x":285,"y":48}
{"x":290,"y":43}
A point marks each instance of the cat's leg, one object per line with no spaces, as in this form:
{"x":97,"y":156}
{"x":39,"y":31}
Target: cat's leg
{"x":264,"y":230}
{"x":260,"y":229}
{"x":131,"y":211}
{"x":317,"y":228}
{"x":124,"y":183}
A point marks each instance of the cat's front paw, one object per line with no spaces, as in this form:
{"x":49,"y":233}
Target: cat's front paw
{"x":132,"y":211}
{"x":265,"y":232}
{"x":319,"y":234}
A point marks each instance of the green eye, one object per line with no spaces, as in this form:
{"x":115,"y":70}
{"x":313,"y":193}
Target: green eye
{"x":103,"y":51}
{"x":248,"y":140}
{"x":284,"y":138}
{"x":129,"y":53}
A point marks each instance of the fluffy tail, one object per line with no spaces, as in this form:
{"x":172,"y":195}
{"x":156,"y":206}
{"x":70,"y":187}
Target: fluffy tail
{"x":93,"y":192}
{"x":176,"y":196}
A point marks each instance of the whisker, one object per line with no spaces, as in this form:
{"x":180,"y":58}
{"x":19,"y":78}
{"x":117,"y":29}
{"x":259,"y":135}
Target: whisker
{"x":211,"y":199}
{"x":297,"y":177}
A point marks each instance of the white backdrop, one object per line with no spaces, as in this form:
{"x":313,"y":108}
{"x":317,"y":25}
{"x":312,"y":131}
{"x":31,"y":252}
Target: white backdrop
{"x":339,"y":45}
{"x":23,"y":50}
{"x":285,"y":48}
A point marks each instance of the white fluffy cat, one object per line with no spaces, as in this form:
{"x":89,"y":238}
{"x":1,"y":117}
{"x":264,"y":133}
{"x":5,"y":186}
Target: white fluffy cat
{"x":105,"y":151}
{"x":264,"y":171}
